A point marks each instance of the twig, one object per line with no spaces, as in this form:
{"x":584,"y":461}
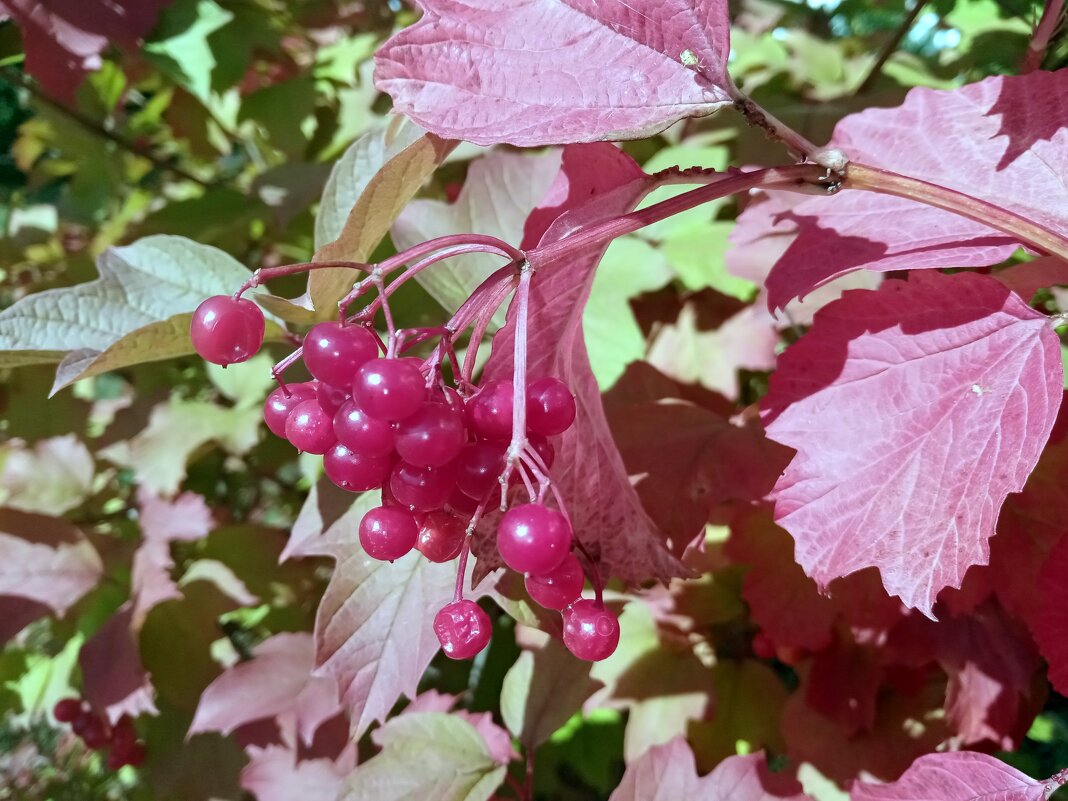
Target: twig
{"x":1052,"y":17}
{"x":890,"y":47}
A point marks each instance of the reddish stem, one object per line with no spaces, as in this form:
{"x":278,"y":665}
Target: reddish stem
{"x":1052,"y":17}
{"x":285,"y":364}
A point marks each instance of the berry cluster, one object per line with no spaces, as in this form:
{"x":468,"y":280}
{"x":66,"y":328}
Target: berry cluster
{"x":121,"y":739}
{"x":441,"y":456}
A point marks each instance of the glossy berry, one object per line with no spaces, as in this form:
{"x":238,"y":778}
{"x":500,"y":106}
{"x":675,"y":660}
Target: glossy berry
{"x":227,"y":330}
{"x":463,"y":629}
{"x":763,"y":646}
{"x":309,"y":428}
{"x":550,"y":407}
{"x":431,"y":437}
{"x":367,"y":435}
{"x":489,"y":413}
{"x":334,"y":351}
{"x":591,"y":632}
{"x":123,"y":735}
{"x":478,"y":467}
{"x":331,"y":398}
{"x":533,"y":538}
{"x":278,"y":405}
{"x":421,"y":488}
{"x":543,"y":448}
{"x":557,"y":588}
{"x":133,"y":755}
{"x":441,"y":537}
{"x":388,"y":533}
{"x":67,"y":710}
{"x":462,"y":504}
{"x":355,"y":471}
{"x":389,"y":389}
{"x":94,"y":732}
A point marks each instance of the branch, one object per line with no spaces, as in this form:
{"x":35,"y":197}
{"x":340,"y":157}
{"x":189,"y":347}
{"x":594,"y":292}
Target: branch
{"x":890,"y":47}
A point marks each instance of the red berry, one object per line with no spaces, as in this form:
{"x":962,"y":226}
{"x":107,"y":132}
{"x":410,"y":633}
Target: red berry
{"x":93,"y":731}
{"x":550,"y":407}
{"x":763,"y":646}
{"x":591,"y":632}
{"x":389,"y":389}
{"x":422,"y":488}
{"x":67,"y":710}
{"x":278,"y":405}
{"x":462,"y":504}
{"x":533,"y":538}
{"x":123,"y":735}
{"x":557,"y":588}
{"x":354,"y":471}
{"x":227,"y":330}
{"x":441,"y":537}
{"x":388,"y":533}
{"x":364,"y":434}
{"x":334,"y":351}
{"x":431,"y":437}
{"x":463,"y":629}
{"x":489,"y":413}
{"x":330,"y":397}
{"x":478,"y":467}
{"x":309,"y":428}
{"x":543,"y":448}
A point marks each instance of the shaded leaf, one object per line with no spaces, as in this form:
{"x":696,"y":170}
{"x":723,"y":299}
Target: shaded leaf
{"x":54,"y":477}
{"x":959,"y":776}
{"x":1048,"y":624}
{"x":275,"y":773}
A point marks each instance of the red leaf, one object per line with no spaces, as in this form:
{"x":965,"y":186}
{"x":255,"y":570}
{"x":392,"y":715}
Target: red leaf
{"x":113,"y":678}
{"x":959,"y":776}
{"x":843,"y":684}
{"x":1050,"y":622}
{"x":531,"y":72}
{"x":915,"y":409}
{"x":1004,"y":140}
{"x":64,"y":39}
{"x":668,"y":773}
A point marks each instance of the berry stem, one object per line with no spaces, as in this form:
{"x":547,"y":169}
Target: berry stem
{"x":482,"y":322}
{"x":519,"y":372}
{"x":285,"y":364}
{"x":461,"y":565}
{"x":594,"y":574}
{"x":1052,"y":18}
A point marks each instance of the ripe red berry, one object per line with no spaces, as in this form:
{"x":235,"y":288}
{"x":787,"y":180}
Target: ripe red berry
{"x":441,"y":537}
{"x":422,"y":488}
{"x":365,"y":434}
{"x":489,"y":413}
{"x":123,"y":735}
{"x":309,"y":428}
{"x":132,"y":754}
{"x":557,"y":588}
{"x":67,"y":710}
{"x":478,"y":467}
{"x":93,"y":731}
{"x":461,"y":504}
{"x":533,"y":538}
{"x":330,"y":397}
{"x":334,"y":351}
{"x":388,"y":533}
{"x":354,"y":471}
{"x":389,"y":389}
{"x":543,"y":448}
{"x":463,"y":629}
{"x":763,"y":646}
{"x":278,"y":405}
{"x":550,"y":407}
{"x":591,"y":632}
{"x":227,"y":330}
{"x":431,"y":437}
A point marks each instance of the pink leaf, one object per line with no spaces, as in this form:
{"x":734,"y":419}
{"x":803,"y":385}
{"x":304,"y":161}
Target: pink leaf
{"x":276,"y":774}
{"x":915,"y":409}
{"x":113,"y":678}
{"x":1050,"y":621}
{"x":668,"y":773}
{"x":605,"y":510}
{"x":959,"y":776}
{"x":1004,"y":140}
{"x":536,"y":72}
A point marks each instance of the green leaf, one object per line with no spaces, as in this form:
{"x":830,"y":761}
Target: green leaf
{"x":429,"y":755}
{"x":53,"y":477}
{"x":697,"y":254}
{"x":245,"y":383}
{"x":180,"y":46}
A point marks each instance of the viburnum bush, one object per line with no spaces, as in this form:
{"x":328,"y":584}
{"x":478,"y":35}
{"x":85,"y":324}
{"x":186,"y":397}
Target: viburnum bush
{"x":785,"y":487}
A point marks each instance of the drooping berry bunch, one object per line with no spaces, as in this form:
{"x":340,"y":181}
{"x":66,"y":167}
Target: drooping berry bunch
{"x":441,"y":454}
{"x":121,"y":739}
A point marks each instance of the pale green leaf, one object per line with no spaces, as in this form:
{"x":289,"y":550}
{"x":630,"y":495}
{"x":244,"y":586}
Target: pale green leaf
{"x":53,"y":477}
{"x":245,"y":383}
{"x":180,"y":45}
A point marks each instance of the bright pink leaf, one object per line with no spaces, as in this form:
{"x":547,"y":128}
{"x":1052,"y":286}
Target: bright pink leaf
{"x":606,"y":512}
{"x":669,"y":773}
{"x":915,"y":409}
{"x":959,"y":776}
{"x":1050,"y":622}
{"x":536,"y":72}
{"x":1004,"y":140}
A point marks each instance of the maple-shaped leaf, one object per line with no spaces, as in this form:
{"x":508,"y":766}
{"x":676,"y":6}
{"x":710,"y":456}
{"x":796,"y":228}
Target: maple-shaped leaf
{"x":668,"y":773}
{"x":612,"y":70}
{"x":53,"y":477}
{"x":960,"y":776}
{"x":915,"y":409}
{"x":1049,"y":623}
{"x":1004,"y":140}
{"x":114,"y":680}
{"x":64,"y":39}
{"x":427,"y":755}
{"x":275,"y":773}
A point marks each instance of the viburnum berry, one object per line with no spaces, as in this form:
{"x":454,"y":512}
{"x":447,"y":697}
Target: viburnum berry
{"x":333,"y":352}
{"x":431,"y":437}
{"x":489,"y":413}
{"x":389,"y":389}
{"x":462,"y":504}
{"x":532,"y":538}
{"x":543,"y":448}
{"x":763,"y":646}
{"x":441,"y":537}
{"x":279,"y":404}
{"x":591,"y":632}
{"x":356,"y":429}
{"x":310,"y":428}
{"x":331,"y":398}
{"x":550,"y":407}
{"x":477,"y":468}
{"x":462,"y":628}
{"x":355,"y":471}
{"x":92,"y":729}
{"x":66,"y":710}
{"x":388,"y":533}
{"x":227,"y":330}
{"x":559,"y":587}
{"x":421,"y":488}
